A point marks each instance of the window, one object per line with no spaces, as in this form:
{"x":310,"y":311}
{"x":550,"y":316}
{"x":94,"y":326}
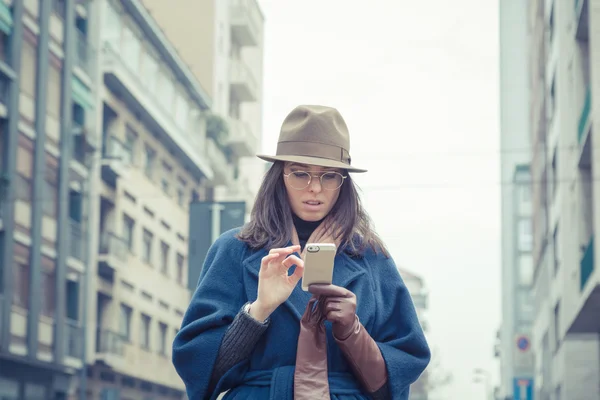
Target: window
{"x":180,"y":268}
{"x":128,"y":225}
{"x":48,"y":290}
{"x":54,"y":91}
{"x":525,"y":194}
{"x":145,"y":332}
{"x":130,"y":142}
{"x":147,"y":247}
{"x":21,"y":284}
{"x":525,"y":237}
{"x":51,"y":193}
{"x":164,"y":257}
{"x":149,"y":162}
{"x":526,"y":270}
{"x":125,"y":322}
{"x":181,"y":196}
{"x":162,"y":339}
{"x":24,"y":172}
{"x":28,"y":69}
{"x":525,"y":304}
{"x":75,"y":206}
{"x":73,"y":300}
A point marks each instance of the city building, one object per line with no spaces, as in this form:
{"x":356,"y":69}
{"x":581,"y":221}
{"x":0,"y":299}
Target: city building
{"x":513,"y":347}
{"x":416,"y":287}
{"x":155,"y":159}
{"x":565,"y":78}
{"x":222,"y":42}
{"x":46,"y":94}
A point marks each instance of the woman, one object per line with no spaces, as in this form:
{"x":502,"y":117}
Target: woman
{"x":251,"y":330}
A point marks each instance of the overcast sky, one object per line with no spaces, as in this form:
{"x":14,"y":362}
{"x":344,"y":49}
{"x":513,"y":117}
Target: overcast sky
{"x":417,"y":82}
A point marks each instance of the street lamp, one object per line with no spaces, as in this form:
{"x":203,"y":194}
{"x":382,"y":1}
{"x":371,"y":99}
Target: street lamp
{"x":483,"y":376}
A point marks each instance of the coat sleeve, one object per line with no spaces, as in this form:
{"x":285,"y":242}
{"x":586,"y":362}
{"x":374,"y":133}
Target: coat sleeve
{"x":216,"y":301}
{"x":397,"y":330}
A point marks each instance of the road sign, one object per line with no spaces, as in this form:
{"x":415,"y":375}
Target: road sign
{"x":523,"y":343}
{"x":523,"y":389}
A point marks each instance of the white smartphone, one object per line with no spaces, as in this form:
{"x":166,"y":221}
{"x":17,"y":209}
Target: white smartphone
{"x":318,"y":264}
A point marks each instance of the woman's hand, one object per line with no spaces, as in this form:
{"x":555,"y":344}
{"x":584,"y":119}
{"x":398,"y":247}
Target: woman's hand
{"x":274,"y":284}
{"x":339,"y":308}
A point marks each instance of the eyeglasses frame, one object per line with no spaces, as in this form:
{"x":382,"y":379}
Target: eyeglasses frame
{"x":317,"y":176}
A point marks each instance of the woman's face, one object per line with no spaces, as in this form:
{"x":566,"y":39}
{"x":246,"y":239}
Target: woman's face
{"x":312,"y":191}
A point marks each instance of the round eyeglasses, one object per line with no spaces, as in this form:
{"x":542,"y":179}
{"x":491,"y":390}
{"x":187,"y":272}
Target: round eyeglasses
{"x":300,"y":180}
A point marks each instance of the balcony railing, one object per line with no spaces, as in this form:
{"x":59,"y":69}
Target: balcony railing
{"x":110,"y":342}
{"x":245,"y":22}
{"x":76,"y":242}
{"x":585,"y":114}
{"x":112,"y":244}
{"x":242,"y":80}
{"x":73,"y":342}
{"x":587,"y":263}
{"x":117,"y":150}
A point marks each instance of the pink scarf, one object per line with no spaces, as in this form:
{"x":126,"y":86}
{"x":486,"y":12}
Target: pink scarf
{"x":311,"y":375}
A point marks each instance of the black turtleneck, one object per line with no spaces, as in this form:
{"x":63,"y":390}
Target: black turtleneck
{"x":304,"y":228}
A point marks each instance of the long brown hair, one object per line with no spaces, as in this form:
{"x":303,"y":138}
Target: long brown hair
{"x":271,"y":218}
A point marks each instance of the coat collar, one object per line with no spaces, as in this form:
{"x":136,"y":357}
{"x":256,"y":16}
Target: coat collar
{"x":346,"y":271}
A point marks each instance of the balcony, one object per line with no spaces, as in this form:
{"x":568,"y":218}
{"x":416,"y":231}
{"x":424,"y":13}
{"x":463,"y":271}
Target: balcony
{"x":241,"y":139}
{"x":218,"y":162}
{"x":110,"y":348}
{"x":73,"y":342}
{"x":124,"y":80}
{"x":586,"y":266}
{"x":582,"y":19}
{"x":243,"y":84}
{"x":112,"y":253}
{"x":245,"y":22}
{"x":116,"y":159}
{"x":76,"y":240}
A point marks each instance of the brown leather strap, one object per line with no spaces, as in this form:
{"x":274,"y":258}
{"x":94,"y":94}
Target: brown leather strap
{"x":311,"y":374}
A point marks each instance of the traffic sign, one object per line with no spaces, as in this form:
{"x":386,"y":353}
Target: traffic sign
{"x":523,"y":389}
{"x":523,"y":343}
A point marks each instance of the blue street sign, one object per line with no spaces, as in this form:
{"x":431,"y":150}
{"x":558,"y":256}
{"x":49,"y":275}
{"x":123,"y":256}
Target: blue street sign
{"x":523,"y":389}
{"x":523,"y":343}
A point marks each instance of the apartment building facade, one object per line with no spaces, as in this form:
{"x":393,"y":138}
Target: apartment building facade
{"x":46,"y":90}
{"x":155,"y":161}
{"x":513,"y":346}
{"x":222,"y":41}
{"x":565,"y":78}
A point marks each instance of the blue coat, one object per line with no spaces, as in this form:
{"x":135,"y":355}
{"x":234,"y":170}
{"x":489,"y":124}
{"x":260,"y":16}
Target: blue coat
{"x":230,"y":278}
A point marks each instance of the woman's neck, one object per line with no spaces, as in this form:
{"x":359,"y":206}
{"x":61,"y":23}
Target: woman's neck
{"x":304,"y":228}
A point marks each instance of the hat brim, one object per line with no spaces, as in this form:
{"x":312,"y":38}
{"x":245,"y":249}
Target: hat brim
{"x":320,"y":162}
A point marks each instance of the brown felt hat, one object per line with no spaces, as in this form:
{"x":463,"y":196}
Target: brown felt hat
{"x":314,"y":135}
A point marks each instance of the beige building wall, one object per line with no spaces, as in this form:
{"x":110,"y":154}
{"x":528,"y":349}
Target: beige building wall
{"x":191,"y":26}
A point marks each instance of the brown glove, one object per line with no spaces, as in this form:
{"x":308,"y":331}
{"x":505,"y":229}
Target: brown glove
{"x":310,"y":375}
{"x":355,"y":342}
{"x":365,"y":357}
